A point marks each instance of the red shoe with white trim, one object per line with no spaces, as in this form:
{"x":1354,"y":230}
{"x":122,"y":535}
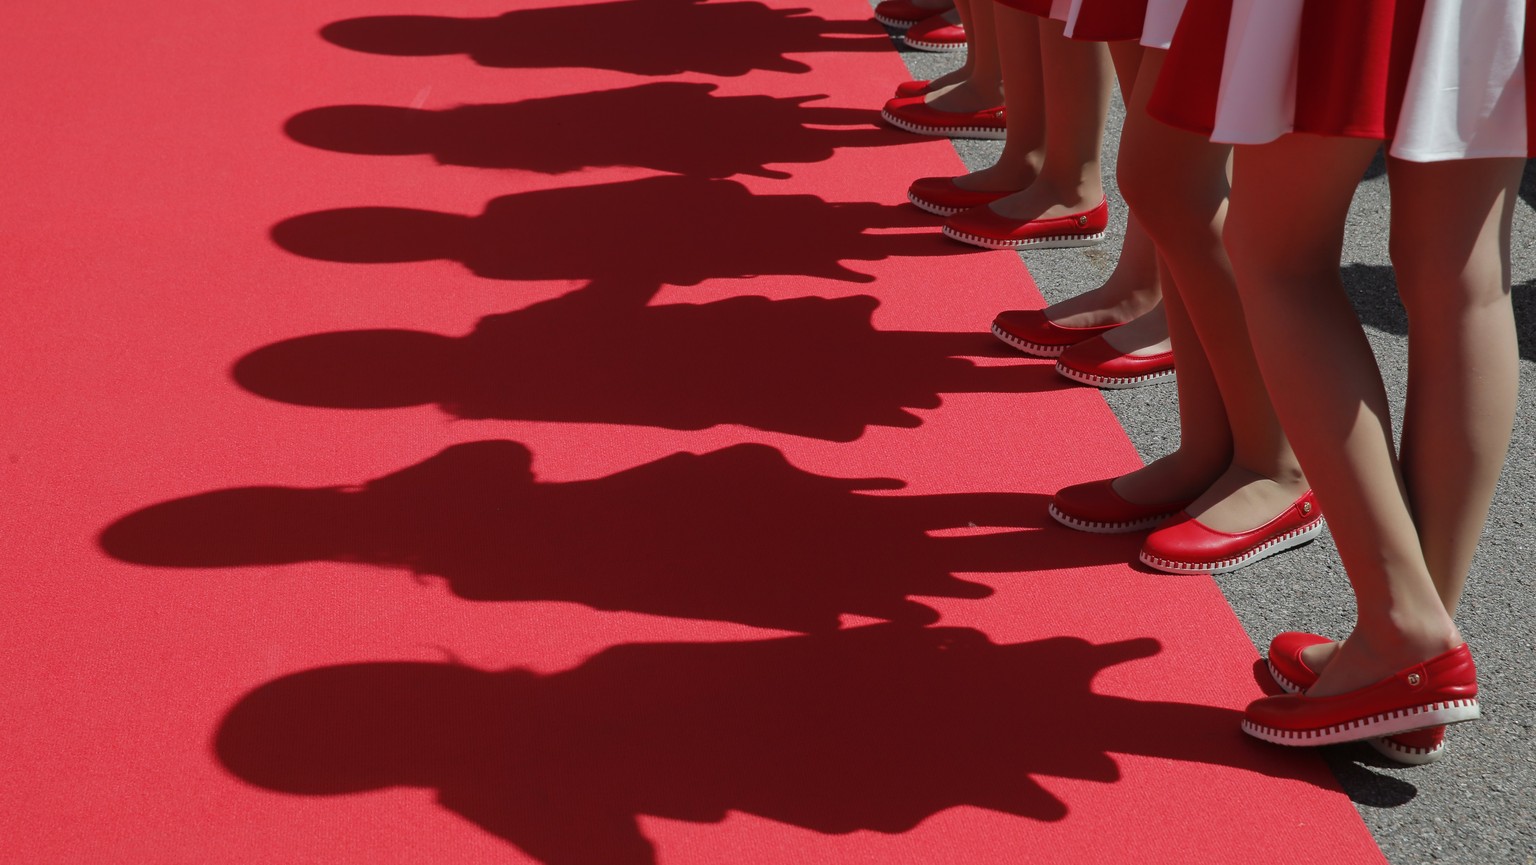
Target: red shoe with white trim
{"x":1096,"y":507}
{"x":985,"y":227}
{"x":940,"y":196}
{"x":1441,"y":690}
{"x":914,"y":114}
{"x":1097,"y":363}
{"x":939,"y":33}
{"x":1184,"y":545}
{"x":1291,"y":672}
{"x":1030,"y":331}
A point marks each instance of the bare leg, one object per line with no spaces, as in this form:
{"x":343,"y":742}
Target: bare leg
{"x":1205,"y":440}
{"x":1450,"y":249}
{"x":981,"y":85}
{"x":1132,"y":290}
{"x":1075,"y":78}
{"x":1177,"y":183}
{"x":1015,"y":47}
{"x":1329,"y":394}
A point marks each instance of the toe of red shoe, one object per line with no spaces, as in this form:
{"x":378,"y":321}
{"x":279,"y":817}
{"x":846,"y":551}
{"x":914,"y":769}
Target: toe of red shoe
{"x":1034,"y":326}
{"x":1097,"y":502}
{"x":1285,"y":661}
{"x":908,"y":89}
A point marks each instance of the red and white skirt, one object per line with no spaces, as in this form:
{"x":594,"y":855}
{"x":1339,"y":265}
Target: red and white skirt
{"x":1150,"y":22}
{"x":1439,"y":79}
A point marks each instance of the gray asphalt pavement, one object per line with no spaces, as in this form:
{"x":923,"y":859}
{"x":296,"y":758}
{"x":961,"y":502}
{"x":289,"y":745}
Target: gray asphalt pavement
{"x":1476,"y":806}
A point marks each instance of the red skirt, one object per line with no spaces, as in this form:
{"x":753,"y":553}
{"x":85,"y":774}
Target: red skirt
{"x":1150,"y":22}
{"x":1441,"y":79}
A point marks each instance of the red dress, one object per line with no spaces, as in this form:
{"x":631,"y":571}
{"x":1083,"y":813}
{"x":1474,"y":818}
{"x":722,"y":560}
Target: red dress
{"x":1440,"y":79}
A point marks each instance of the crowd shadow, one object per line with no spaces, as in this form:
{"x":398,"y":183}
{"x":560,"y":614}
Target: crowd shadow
{"x":668,"y":230}
{"x":737,"y":535}
{"x":808,"y":366}
{"x":874,"y":728}
{"x":1372,"y":289}
{"x":677,"y":127}
{"x":641,"y":37}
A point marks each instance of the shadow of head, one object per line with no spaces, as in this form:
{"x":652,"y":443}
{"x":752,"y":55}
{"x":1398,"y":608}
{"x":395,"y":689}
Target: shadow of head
{"x":360,"y":369}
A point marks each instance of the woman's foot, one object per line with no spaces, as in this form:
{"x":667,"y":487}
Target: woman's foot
{"x":1045,"y":200}
{"x":965,"y":96}
{"x":1120,"y":299}
{"x":1241,"y":500}
{"x":1369,"y":656}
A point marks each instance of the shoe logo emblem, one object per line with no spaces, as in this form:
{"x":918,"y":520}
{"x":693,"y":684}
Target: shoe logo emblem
{"x":1082,"y":221}
{"x":1306,"y":508}
{"x":1414,"y":679}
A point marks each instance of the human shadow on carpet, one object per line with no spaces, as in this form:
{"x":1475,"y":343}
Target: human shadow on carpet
{"x":679,"y":127}
{"x":641,"y":37}
{"x":654,"y":231}
{"x":737,"y":535}
{"x":873,"y":729}
{"x":807,"y":366}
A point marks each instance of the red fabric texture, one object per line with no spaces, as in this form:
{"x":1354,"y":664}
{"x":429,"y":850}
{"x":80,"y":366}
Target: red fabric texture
{"x":1033,"y":7}
{"x":1190,"y":80}
{"x":1352,"y":70}
{"x":478,"y":435}
{"x":1109,"y":20}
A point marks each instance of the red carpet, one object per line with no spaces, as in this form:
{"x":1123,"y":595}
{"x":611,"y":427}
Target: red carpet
{"x":460,"y":440}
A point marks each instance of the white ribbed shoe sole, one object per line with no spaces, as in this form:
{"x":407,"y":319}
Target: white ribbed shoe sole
{"x":1098,"y":528}
{"x":936,"y":47}
{"x":1390,"y":749}
{"x":1030,"y":348}
{"x":1384,"y":724}
{"x":1285,"y":684}
{"x":1292,"y":538}
{"x":1113,"y":383}
{"x":935,"y":209}
{"x":895,"y":22}
{"x":979,"y":132}
{"x":1059,"y":241}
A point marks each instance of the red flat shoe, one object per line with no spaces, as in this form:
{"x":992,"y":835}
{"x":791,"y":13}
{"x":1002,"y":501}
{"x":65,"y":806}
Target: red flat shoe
{"x":1095,"y":362}
{"x":940,"y":195}
{"x":914,"y":115}
{"x":1292,"y":674}
{"x":1096,"y":507}
{"x":1184,"y":545}
{"x":940,"y":33}
{"x":902,"y":14}
{"x":1442,"y":690}
{"x":985,"y":227}
{"x":914,"y":87}
{"x":1030,"y":331}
